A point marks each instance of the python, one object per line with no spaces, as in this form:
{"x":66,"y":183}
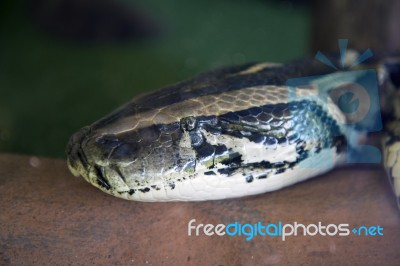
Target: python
{"x":232,"y":132}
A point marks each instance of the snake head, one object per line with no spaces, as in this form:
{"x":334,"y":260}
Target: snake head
{"x":130,"y":162}
{"x":228,"y":133}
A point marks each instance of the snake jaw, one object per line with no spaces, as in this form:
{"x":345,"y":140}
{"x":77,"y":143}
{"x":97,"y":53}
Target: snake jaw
{"x":78,"y":161}
{"x":75,"y":158}
{"x":73,"y":169}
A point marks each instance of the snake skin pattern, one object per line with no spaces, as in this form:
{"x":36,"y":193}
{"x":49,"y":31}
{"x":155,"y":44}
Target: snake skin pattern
{"x":228,"y":133}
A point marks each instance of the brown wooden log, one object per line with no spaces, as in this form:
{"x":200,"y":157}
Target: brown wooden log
{"x":48,"y":216}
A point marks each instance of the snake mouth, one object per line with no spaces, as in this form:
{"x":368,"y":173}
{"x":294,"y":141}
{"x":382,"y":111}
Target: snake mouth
{"x":76,"y":158}
{"x":81,"y":165}
{"x":104,"y":160}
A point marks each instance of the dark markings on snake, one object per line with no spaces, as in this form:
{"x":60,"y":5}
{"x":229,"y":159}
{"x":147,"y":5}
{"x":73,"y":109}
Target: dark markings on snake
{"x":205,"y":150}
{"x":228,"y":170}
{"x":279,"y":167}
{"x":220,"y":149}
{"x":292,"y":138}
{"x":82,"y":158}
{"x":101,"y":180}
{"x":303,"y":155}
{"x":216,"y":82}
{"x":292,"y":125}
{"x":262,"y":176}
{"x":155,"y":187}
{"x":257,"y":138}
{"x":172,"y":185}
{"x":210,"y":173}
{"x":234,"y":159}
{"x":249,"y":178}
{"x":340,"y":142}
{"x":144,"y":190}
{"x":281,"y":123}
{"x":118,"y":171}
{"x":280,"y":170}
{"x":131,"y":192}
{"x":282,"y":140}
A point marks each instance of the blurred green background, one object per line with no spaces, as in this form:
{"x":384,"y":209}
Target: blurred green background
{"x":53,"y":85}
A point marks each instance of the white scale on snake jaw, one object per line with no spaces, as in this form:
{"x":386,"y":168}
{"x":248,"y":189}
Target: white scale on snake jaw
{"x":204,"y":187}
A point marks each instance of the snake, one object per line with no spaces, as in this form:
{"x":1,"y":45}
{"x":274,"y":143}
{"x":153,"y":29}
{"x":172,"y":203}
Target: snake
{"x":242,"y":130}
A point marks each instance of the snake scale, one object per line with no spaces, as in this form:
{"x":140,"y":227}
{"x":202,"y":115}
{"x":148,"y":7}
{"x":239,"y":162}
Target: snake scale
{"x":234,"y":132}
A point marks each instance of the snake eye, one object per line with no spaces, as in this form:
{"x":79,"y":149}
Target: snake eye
{"x":188,"y":123}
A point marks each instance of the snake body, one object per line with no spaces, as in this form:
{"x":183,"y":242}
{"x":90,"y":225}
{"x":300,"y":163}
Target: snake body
{"x":228,"y":133}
